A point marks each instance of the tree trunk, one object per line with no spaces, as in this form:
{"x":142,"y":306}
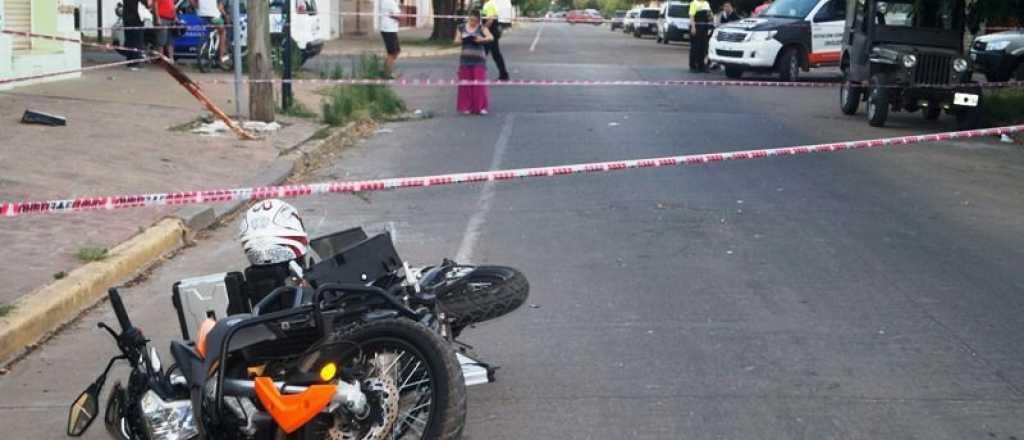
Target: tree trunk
{"x":261,"y":94}
{"x":444,"y":28}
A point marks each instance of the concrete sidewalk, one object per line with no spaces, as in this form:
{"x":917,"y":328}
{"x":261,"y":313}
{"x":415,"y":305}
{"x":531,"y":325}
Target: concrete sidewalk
{"x":120,"y":138}
{"x":413,"y":43}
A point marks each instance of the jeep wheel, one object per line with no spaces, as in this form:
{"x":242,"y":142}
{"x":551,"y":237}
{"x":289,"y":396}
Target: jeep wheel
{"x":789,"y":65}
{"x":878,"y":101}
{"x":850,"y":95}
{"x":733,"y":72}
{"x":932,"y":112}
{"x":1018,"y":73}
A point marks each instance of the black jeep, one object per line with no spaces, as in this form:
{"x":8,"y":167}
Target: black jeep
{"x":908,"y":55}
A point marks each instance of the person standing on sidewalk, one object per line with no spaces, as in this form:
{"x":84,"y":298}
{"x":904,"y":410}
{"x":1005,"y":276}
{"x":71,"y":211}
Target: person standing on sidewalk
{"x":388,"y":13}
{"x":473,"y":36}
{"x":490,"y":15}
{"x":211,"y":12}
{"x":165,"y":17}
{"x":727,"y":14}
{"x":134,"y":34}
{"x":700,"y":31}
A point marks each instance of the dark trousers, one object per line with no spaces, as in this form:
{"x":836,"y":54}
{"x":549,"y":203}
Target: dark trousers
{"x":133,"y":38}
{"x":699,"y":47}
{"x":495,"y":50}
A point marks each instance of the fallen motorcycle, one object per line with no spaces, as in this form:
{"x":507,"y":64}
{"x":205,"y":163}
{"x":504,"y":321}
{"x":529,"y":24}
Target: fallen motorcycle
{"x":206,"y":396}
{"x":362,"y":308}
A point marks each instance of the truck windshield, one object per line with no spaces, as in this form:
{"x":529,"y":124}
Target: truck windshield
{"x":936,"y":14}
{"x":649,"y":13}
{"x":790,"y":9}
{"x":678,"y":11}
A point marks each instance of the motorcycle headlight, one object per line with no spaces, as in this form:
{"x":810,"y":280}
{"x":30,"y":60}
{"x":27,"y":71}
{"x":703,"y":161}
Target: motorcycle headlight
{"x":168,"y":420}
{"x":960,"y":65}
{"x":998,"y":45}
{"x":909,"y":61}
{"x":761,"y":36}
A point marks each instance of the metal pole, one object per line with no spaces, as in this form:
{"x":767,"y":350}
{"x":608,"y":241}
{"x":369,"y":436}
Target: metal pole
{"x":236,"y":27}
{"x":286,"y":87}
{"x":99,"y":21}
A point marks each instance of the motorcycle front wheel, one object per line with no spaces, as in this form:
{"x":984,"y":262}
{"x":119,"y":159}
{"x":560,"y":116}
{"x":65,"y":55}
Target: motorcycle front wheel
{"x":485,"y":293}
{"x":431,"y":389}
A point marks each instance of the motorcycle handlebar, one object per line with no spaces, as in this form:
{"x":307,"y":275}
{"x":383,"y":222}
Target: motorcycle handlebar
{"x":118,"y":305}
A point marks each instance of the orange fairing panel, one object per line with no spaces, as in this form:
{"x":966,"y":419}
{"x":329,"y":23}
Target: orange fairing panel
{"x":293,"y":410}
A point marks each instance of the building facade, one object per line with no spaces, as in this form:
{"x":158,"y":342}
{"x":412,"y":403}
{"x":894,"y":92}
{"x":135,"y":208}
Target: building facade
{"x":23,"y":56}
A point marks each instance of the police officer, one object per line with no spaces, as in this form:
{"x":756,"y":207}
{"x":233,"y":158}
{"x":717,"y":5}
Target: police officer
{"x":700,"y":32}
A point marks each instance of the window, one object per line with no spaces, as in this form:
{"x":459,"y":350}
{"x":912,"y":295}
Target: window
{"x":834,"y":10}
{"x":790,"y":9}
{"x":678,"y":11}
{"x":936,"y":14}
{"x":649,"y":13}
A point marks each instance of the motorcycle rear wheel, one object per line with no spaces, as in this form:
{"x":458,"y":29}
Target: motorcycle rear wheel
{"x":429,"y":376}
{"x":485,"y":293}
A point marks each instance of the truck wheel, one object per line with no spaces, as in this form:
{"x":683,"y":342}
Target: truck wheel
{"x":733,"y":72}
{"x":878,"y":101}
{"x":850,"y":95}
{"x":789,"y":65}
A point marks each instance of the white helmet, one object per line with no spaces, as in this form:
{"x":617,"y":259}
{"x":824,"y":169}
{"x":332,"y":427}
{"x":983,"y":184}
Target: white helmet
{"x":272,"y":233}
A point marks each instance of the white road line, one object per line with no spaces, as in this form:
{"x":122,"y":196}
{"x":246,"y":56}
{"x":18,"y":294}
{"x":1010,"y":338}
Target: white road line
{"x":536,"y":38}
{"x":476,"y":222}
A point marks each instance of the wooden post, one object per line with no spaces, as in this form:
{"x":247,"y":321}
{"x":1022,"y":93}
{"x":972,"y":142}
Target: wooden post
{"x":261,"y":94}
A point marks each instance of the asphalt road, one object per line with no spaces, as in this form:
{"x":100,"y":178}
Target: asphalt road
{"x":859,"y":295}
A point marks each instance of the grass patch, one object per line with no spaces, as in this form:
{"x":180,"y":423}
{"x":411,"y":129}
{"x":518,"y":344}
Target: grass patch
{"x":1004,"y":107}
{"x":322,"y":133}
{"x":5,"y":309}
{"x":427,"y":42}
{"x":89,"y":254}
{"x":297,"y":110}
{"x":345,"y":103}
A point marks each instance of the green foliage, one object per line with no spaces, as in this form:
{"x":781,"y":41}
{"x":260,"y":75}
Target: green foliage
{"x":343,"y":104}
{"x":5,"y":309}
{"x":532,"y":8}
{"x":297,"y":110}
{"x":1005,"y":106}
{"x":89,"y":254}
{"x":1005,"y":12}
{"x":277,"y":57}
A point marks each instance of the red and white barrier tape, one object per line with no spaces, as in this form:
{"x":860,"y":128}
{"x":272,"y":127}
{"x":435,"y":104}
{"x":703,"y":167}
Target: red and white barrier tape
{"x":13,"y":209}
{"x":71,"y":40}
{"x":580,"y":83}
{"x":70,"y":71}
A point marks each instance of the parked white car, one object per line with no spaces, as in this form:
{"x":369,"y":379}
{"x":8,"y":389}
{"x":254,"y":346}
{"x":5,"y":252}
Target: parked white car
{"x":646,"y":22}
{"x":673,"y":22}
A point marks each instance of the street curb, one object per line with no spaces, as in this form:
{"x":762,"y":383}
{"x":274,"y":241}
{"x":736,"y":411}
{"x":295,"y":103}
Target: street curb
{"x":42,"y":311}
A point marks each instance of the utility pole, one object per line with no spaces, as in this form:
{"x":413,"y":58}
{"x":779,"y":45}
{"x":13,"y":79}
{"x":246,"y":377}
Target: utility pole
{"x":286,"y":86}
{"x":261,"y":94}
{"x":99,"y":21}
{"x":237,"y":55}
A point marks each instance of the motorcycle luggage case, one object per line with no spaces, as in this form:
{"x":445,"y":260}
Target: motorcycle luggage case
{"x":361,"y":263}
{"x":332,"y":244}
{"x":210,"y":296}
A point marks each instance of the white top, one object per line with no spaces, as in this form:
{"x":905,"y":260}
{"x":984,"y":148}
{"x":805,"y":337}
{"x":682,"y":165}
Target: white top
{"x":208,"y":8}
{"x":388,"y":24}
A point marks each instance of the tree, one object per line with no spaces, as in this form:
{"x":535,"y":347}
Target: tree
{"x":1003,"y":12}
{"x":444,"y":28}
{"x":261,"y":94}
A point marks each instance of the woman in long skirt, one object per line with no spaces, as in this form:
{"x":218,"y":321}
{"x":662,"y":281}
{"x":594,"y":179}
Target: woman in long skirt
{"x":473,"y":64}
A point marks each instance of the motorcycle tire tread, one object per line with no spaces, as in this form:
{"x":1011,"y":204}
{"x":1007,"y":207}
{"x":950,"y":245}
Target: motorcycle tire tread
{"x":454,"y":418}
{"x":464,"y":309}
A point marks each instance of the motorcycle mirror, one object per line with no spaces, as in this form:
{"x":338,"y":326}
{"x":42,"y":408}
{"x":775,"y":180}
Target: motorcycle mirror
{"x":83,"y":411}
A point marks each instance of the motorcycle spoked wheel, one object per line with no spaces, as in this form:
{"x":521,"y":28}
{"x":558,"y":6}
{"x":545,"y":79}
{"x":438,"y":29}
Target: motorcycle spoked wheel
{"x":485,"y":293}
{"x":428,"y":377}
